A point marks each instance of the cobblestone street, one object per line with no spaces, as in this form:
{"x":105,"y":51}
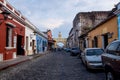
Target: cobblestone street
{"x":54,"y":66}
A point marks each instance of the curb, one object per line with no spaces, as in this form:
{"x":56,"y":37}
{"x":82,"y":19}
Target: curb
{"x":10,"y":65}
{"x":13,"y":62}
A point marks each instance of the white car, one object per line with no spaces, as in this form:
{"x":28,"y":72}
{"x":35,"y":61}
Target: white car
{"x":91,"y":57}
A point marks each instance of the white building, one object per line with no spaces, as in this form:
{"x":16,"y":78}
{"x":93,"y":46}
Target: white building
{"x":30,"y":39}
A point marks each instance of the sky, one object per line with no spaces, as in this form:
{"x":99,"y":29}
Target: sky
{"x":58,"y":15}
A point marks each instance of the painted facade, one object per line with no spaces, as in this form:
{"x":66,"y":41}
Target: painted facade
{"x":18,"y":36}
{"x":50,"y":40}
{"x":83,"y":22}
{"x":12,"y":32}
{"x":70,"y":39}
{"x":41,"y":42}
{"x":103,"y":34}
{"x":30,"y":41}
{"x":60,"y":39}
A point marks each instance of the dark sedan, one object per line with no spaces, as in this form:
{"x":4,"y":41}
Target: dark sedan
{"x":111,"y":61}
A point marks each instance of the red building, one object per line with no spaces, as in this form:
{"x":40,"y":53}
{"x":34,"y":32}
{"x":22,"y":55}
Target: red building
{"x":12,"y":31}
{"x":50,"y":40}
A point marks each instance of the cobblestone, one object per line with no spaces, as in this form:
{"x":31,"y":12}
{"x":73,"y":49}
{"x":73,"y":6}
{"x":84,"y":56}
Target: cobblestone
{"x":53,"y":66}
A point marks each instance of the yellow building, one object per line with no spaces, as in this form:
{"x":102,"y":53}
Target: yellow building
{"x":105,"y":32}
{"x":60,"y":39}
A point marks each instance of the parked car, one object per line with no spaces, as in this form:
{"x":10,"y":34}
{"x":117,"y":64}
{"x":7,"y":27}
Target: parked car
{"x":111,"y":61}
{"x":91,"y":57}
{"x":59,"y":49}
{"x":64,"y":49}
{"x":67,"y":49}
{"x":75,"y":51}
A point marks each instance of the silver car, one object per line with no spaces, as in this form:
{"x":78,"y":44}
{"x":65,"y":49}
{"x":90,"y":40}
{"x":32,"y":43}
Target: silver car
{"x":91,"y":57}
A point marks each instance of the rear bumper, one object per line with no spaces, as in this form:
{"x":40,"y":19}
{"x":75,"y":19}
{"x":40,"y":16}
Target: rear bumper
{"x":95,"y":66}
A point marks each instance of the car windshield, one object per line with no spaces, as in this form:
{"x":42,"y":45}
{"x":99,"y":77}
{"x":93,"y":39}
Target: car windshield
{"x":92,"y":52}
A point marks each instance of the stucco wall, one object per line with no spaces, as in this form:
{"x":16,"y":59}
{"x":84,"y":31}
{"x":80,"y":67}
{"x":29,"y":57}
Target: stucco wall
{"x":29,"y":34}
{"x":109,"y":26}
{"x":18,"y":30}
{"x":41,"y":43}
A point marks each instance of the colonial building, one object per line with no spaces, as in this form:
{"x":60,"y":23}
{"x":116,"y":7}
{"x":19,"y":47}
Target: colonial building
{"x":70,"y":39}
{"x":42,"y":41}
{"x":12,"y":32}
{"x":18,"y":36}
{"x":102,"y":34}
{"x":30,"y":38}
{"x":50,"y":40}
{"x":60,"y":39}
{"x":84,"y":21}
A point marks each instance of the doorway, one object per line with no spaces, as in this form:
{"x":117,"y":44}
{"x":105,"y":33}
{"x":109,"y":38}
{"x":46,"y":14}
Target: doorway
{"x":27,"y":44}
{"x":20,"y":50}
{"x":33,"y":46}
{"x":104,"y":40}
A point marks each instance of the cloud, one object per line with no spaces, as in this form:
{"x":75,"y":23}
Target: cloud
{"x":56,"y":15}
{"x":64,"y":29}
{"x":52,"y":23}
{"x":92,"y":5}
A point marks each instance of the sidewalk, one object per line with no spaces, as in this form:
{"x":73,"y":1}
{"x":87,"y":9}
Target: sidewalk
{"x":8,"y":63}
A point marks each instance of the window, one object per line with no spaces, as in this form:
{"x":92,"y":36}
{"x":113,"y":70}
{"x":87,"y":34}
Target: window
{"x":118,"y":48}
{"x":92,"y":52}
{"x":113,"y":46}
{"x":8,"y":37}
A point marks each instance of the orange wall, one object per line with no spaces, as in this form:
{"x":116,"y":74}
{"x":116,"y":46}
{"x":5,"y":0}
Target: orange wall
{"x":109,"y":26}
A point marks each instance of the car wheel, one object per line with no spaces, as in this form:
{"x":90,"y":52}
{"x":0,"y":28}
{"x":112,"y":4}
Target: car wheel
{"x":109,"y":76}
